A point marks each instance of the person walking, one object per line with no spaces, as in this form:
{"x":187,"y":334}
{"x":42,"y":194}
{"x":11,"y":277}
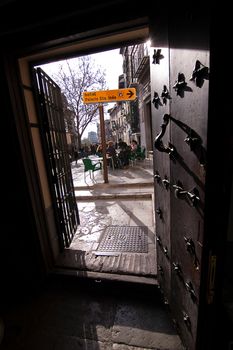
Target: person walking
{"x":75,"y":155}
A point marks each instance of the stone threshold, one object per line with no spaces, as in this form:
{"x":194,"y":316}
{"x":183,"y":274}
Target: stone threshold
{"x":104,"y":185}
{"x":103,"y":276}
{"x":115,"y":196}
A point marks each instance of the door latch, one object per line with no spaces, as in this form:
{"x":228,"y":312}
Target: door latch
{"x":193,"y":195}
{"x":179,"y":191}
{"x":192,"y":251}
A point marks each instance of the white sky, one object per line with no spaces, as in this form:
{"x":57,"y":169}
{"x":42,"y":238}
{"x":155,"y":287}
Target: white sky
{"x":110,"y":61}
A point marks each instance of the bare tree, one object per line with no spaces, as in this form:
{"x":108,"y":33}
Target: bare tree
{"x":74,"y":78}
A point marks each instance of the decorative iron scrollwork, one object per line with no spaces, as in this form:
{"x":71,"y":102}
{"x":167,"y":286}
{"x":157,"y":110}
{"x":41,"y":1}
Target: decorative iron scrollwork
{"x":180,"y":85}
{"x":156,"y":100}
{"x":200,"y":73}
{"x":157,"y":56}
{"x":165,"y":95}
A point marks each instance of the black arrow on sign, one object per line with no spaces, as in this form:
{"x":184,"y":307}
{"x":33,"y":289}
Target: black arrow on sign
{"x":130,"y":93}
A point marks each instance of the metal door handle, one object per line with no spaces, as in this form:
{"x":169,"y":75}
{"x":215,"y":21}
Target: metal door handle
{"x":193,"y":195}
{"x":179,"y":191}
{"x":158,"y":143}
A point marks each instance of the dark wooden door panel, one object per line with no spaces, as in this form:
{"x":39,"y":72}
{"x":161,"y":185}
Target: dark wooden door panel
{"x":189,"y":115}
{"x":180,"y":131}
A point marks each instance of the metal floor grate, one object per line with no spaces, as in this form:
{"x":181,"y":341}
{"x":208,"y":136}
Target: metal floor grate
{"x":124,"y":239}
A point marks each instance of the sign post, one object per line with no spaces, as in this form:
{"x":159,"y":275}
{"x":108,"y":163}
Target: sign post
{"x":106,"y":96}
{"x":103,"y":142}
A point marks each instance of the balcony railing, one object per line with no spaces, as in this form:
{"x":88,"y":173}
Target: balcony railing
{"x":144,"y":62}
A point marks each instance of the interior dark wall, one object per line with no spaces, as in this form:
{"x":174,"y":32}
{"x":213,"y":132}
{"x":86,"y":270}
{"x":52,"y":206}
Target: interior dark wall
{"x":61,"y":20}
{"x":21,"y":262}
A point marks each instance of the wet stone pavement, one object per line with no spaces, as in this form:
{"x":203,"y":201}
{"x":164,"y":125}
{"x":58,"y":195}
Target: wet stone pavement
{"x":126,"y":201}
{"x":140,"y":173}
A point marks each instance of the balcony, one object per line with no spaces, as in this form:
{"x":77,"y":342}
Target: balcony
{"x":144,"y":62}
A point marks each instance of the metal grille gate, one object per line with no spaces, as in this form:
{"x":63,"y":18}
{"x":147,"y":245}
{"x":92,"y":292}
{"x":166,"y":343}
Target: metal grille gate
{"x":53,"y":133}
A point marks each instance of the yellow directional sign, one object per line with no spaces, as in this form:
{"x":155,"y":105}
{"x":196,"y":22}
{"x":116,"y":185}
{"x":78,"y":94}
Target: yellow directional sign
{"x":106,"y":96}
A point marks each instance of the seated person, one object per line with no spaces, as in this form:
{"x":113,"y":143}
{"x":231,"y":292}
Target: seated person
{"x":136,"y":149}
{"x":111,"y":152}
{"x":122,"y":144}
{"x":124,"y":154}
{"x":99,"y":150}
{"x":134,"y":146}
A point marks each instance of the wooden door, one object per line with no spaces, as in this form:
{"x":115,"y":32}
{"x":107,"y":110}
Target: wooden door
{"x":180,"y":67}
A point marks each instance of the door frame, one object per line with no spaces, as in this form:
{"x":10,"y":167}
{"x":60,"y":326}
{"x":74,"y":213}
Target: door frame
{"x":19,"y":64}
{"x":19,"y":69}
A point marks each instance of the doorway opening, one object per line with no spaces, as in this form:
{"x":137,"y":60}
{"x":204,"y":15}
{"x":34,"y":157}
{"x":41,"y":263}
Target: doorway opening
{"x":100,"y":206}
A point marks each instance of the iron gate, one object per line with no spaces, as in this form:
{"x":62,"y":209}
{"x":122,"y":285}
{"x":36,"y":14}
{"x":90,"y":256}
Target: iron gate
{"x":53,"y":134}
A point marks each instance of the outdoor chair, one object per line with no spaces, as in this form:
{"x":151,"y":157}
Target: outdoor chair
{"x":141,"y":154}
{"x":91,"y":166}
{"x":132,"y":158}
